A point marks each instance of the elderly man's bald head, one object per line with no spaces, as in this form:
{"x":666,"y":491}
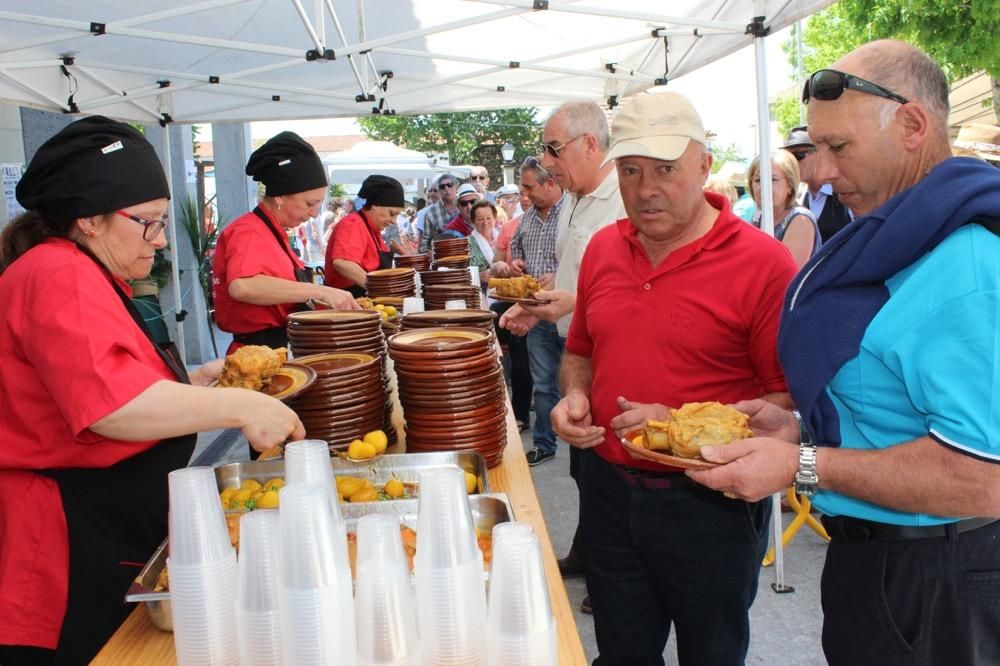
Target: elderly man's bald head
{"x":905,"y":70}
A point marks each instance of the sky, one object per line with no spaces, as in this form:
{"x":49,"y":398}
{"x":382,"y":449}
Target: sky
{"x":723,"y":92}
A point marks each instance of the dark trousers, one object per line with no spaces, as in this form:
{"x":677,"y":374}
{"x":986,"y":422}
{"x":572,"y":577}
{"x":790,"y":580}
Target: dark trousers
{"x":658,"y":557}
{"x":925,"y":602}
{"x":516,"y":367}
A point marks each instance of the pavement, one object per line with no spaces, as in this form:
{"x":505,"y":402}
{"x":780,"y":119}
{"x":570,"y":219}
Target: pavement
{"x":785,"y":628}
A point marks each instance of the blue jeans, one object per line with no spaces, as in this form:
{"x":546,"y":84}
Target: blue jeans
{"x":545,"y":349}
{"x":684,"y":556}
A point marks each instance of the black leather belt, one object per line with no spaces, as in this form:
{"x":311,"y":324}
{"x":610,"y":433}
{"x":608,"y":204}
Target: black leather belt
{"x":654,"y":480}
{"x":856,"y":530}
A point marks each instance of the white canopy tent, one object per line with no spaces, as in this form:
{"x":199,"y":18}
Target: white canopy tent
{"x":195,"y":61}
{"x":368,"y":157}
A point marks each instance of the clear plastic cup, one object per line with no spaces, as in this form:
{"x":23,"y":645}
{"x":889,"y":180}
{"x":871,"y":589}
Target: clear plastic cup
{"x":317,"y":625}
{"x":451,"y":614}
{"x":536,"y":650}
{"x":203,"y":608}
{"x":313,"y":538}
{"x":258,"y":626}
{"x":519,"y":596}
{"x":455,"y":305}
{"x":445,"y":529}
{"x":386,"y":614}
{"x":197,"y":526}
{"x":307,"y":461}
{"x":412,"y":304}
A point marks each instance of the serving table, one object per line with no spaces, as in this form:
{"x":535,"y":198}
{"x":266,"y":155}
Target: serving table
{"x":137,"y":641}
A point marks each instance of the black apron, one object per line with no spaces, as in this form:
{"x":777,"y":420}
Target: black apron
{"x":277,"y":336}
{"x":115,"y":518}
{"x":384,"y":259}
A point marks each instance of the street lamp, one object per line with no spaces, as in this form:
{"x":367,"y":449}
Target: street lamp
{"x":507,"y":153}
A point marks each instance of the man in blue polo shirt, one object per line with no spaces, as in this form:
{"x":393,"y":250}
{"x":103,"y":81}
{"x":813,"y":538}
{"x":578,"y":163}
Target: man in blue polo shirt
{"x":890,"y":341}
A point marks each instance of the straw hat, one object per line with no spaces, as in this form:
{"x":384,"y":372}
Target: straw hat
{"x":981,"y":138}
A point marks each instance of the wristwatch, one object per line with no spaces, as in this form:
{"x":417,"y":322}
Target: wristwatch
{"x":806,"y":479}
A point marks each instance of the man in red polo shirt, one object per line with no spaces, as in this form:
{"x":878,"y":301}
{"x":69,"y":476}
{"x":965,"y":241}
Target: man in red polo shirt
{"x":678,"y":302}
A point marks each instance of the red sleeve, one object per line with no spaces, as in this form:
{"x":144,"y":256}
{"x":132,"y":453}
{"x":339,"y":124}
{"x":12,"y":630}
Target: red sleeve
{"x":89,"y":354}
{"x":765,"y":317}
{"x":350,"y":240}
{"x":251,"y":250}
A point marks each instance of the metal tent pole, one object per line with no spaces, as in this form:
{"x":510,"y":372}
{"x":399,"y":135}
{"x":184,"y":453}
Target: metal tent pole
{"x":175,"y":269}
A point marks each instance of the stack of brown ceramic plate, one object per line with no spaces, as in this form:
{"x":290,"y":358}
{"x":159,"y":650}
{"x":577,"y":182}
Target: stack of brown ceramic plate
{"x":450,"y":247}
{"x":458,"y":261}
{"x":450,"y":318}
{"x":437,"y":295}
{"x":347,"y":399}
{"x":391,"y":282}
{"x":457,"y":276}
{"x":339,"y":331}
{"x":419,"y":262}
{"x":451,"y":387}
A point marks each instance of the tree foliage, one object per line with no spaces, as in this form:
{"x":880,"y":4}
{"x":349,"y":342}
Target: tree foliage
{"x":961,"y":35}
{"x":723,"y":154}
{"x":468,"y":137}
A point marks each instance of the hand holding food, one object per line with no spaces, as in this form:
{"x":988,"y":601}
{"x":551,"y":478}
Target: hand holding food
{"x":517,"y":287}
{"x":693,"y":425}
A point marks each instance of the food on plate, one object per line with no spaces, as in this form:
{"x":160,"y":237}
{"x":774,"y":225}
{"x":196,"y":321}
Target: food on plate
{"x":518,"y":287}
{"x":483,"y":539}
{"x":361,"y":450}
{"x":694,"y":425}
{"x":471,"y":483}
{"x":394,"y":488}
{"x":378,"y":439}
{"x":385,"y":311}
{"x":252,"y":366}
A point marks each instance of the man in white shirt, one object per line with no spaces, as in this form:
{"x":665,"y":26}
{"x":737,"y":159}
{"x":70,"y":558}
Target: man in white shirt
{"x":576,"y":140}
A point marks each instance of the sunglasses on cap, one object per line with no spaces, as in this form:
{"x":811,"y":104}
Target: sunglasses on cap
{"x":829,"y":84}
{"x":151,"y":227}
{"x":553,"y":148}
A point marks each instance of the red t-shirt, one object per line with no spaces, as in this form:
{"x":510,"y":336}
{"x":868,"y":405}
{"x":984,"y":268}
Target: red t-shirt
{"x":355,"y":239}
{"x":700,"y":326}
{"x":507,"y":232}
{"x":246,"y":248}
{"x":460,"y":225}
{"x":71,"y":356}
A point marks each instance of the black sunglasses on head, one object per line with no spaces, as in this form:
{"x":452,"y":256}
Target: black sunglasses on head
{"x":535,"y":163}
{"x":829,"y":84}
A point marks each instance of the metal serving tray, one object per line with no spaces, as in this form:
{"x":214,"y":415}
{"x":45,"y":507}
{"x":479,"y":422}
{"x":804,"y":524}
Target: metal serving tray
{"x":488,"y":509}
{"x":403,"y":466}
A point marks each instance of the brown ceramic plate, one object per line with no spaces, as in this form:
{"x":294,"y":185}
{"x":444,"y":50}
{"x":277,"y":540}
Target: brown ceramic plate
{"x":663,"y":458}
{"x":437,"y":339}
{"x":332,"y":317}
{"x":514,"y":299}
{"x":290,"y":381}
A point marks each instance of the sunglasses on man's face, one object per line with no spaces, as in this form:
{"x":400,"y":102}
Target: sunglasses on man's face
{"x":553,"y":148}
{"x":800,"y":155}
{"x":478,"y":177}
{"x":445,"y":186}
{"x":829,"y":84}
{"x":467,"y":202}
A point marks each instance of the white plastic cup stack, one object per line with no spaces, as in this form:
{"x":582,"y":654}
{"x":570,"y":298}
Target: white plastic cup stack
{"x":521,"y":629}
{"x":257,"y":618}
{"x":455,"y":305}
{"x":412,"y":304}
{"x":451,"y":595}
{"x":307,"y":462}
{"x":385,"y":612}
{"x":203,"y":577}
{"x":474,"y":274}
{"x":314,"y":581}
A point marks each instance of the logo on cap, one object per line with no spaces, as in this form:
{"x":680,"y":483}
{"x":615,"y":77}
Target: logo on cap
{"x":665,"y":119}
{"x":284,"y":162}
{"x":112,"y":147}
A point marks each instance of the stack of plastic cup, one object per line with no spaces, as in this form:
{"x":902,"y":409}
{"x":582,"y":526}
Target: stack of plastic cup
{"x":202,"y":565}
{"x":258,"y":628}
{"x":451,"y":595}
{"x":520,"y":627}
{"x":413,"y":304}
{"x":455,"y":305}
{"x":385,"y":612}
{"x":314,"y":581}
{"x":307,"y":462}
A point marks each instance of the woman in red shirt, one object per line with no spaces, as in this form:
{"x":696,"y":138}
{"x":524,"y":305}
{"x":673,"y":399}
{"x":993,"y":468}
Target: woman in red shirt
{"x":257,"y":280}
{"x":356,"y":246}
{"x":94,"y":413}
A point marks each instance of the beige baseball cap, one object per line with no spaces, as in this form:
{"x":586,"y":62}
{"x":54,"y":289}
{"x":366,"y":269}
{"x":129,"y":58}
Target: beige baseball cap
{"x":982,"y":138}
{"x":657,"y":126}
